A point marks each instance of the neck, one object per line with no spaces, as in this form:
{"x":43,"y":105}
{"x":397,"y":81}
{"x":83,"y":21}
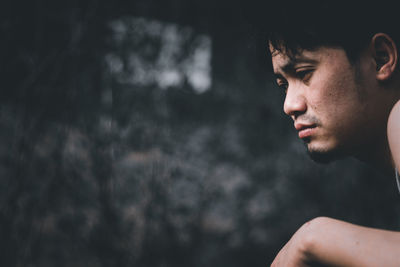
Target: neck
{"x":378,"y":157}
{"x":377,"y":151}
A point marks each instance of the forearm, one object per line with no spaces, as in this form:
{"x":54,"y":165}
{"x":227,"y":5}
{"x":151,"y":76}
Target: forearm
{"x":338,"y":243}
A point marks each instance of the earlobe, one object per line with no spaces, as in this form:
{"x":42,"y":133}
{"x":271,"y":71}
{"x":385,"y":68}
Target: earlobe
{"x":385,"y":55}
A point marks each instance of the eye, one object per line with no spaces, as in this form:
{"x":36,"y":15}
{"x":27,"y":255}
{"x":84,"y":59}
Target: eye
{"x":283,"y":85}
{"x":304,"y":74}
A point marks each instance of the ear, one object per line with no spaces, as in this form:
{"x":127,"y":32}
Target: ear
{"x":385,"y":55}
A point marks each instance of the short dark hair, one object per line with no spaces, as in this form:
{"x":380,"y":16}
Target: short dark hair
{"x":308,"y":24}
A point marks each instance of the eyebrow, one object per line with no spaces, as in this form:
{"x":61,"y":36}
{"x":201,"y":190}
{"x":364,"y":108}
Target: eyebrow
{"x":289,"y":66}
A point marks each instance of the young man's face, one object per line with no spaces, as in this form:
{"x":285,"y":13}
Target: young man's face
{"x":334,"y":104}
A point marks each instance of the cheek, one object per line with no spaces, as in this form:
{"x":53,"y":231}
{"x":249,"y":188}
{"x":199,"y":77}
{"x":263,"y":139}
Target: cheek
{"x":334,"y":98}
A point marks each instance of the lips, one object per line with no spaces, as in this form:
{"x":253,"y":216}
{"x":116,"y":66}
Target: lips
{"x":305,"y":130}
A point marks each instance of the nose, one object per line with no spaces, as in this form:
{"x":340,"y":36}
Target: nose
{"x":295,"y":102}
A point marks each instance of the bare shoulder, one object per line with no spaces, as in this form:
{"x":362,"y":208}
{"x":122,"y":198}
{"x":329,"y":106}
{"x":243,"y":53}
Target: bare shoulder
{"x":393,"y":132}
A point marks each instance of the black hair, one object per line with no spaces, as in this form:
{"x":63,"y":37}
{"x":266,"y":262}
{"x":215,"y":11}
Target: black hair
{"x":299,"y":25}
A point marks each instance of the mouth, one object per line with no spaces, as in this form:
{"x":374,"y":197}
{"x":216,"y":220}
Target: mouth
{"x":305,"y":130}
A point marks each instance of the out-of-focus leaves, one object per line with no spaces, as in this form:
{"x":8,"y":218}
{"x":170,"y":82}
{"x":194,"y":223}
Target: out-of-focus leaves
{"x":149,"y":134}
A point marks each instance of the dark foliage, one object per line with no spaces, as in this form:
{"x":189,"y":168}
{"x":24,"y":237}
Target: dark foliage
{"x":106,"y":162}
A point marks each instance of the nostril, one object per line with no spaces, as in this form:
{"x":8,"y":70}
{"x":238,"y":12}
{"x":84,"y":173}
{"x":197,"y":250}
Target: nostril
{"x":296,"y":114}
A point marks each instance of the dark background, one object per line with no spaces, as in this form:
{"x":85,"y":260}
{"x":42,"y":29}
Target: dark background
{"x":106,"y":162}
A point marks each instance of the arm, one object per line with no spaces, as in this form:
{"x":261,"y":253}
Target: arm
{"x":336,"y":243}
{"x":393,"y":132}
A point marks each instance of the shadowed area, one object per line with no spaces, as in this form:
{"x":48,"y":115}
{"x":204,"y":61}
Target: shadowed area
{"x":139,"y":133}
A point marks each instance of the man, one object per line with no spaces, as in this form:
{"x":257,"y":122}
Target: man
{"x":339,"y":66}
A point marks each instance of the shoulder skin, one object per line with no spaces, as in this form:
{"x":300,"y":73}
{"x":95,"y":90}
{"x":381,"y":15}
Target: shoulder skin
{"x":393,"y":132}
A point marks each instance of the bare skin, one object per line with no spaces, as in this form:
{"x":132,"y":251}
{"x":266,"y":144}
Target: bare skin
{"x":344,"y":109}
{"x":394,"y":133}
{"x":336,"y":243}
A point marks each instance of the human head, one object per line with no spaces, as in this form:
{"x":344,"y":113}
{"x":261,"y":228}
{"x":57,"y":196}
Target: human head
{"x":308,"y":24}
{"x":354,"y":57}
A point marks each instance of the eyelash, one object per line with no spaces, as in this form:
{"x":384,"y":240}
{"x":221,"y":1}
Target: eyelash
{"x":303,"y":75}
{"x":284,"y":86}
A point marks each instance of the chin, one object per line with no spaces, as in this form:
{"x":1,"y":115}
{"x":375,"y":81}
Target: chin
{"x":323,"y":155}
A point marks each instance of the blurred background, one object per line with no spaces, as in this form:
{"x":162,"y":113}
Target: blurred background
{"x":150,"y":133}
